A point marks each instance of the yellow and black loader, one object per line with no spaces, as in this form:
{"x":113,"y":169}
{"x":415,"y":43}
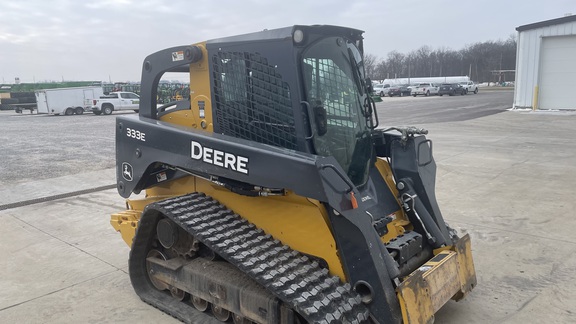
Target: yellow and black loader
{"x":273,"y":196}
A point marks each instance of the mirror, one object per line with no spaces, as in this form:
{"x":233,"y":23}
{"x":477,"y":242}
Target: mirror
{"x":369,"y":86}
{"x":321,"y":119}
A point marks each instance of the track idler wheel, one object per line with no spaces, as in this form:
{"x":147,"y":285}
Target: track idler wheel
{"x":158,"y":284}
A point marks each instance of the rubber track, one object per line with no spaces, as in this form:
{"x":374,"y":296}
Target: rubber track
{"x":293,"y":277}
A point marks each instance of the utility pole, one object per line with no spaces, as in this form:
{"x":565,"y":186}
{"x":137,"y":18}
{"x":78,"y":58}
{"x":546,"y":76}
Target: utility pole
{"x":408,"y":71}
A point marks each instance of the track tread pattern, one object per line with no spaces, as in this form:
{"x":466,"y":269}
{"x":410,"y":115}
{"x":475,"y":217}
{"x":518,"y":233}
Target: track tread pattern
{"x":293,"y":277}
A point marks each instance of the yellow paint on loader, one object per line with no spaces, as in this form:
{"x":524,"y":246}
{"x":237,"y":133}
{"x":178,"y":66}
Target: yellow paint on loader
{"x":200,"y":113}
{"x":400,"y":224}
{"x":448,"y":275}
{"x":294,"y":220}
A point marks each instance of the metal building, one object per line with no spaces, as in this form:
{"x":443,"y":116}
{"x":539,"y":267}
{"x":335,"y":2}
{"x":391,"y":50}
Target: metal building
{"x":546,"y":65}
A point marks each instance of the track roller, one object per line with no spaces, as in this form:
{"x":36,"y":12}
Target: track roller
{"x":220,"y":313}
{"x":199,"y":303}
{"x":177,"y":293}
{"x":238,"y":319}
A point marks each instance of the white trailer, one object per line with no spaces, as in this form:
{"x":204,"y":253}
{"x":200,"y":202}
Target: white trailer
{"x":67,"y":101}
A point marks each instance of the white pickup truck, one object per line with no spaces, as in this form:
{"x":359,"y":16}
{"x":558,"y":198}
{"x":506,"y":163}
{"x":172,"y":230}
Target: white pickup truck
{"x":470,"y":86}
{"x":425,"y":89}
{"x":116,"y":101}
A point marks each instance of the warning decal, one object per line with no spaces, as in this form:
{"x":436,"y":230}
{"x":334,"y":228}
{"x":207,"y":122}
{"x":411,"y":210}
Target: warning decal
{"x":177,"y":56}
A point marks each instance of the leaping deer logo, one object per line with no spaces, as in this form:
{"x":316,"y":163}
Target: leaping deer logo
{"x":127,"y":171}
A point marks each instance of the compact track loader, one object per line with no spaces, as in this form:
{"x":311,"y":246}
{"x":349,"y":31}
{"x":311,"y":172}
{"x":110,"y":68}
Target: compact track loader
{"x":271,"y":194}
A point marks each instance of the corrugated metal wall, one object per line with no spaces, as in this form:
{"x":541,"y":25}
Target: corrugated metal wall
{"x":528,"y":60}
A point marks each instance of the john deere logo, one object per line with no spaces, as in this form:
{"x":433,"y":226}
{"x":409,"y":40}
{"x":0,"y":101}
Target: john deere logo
{"x":127,"y":171}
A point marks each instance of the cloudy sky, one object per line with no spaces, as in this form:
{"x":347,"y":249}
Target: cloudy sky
{"x":108,"y":39}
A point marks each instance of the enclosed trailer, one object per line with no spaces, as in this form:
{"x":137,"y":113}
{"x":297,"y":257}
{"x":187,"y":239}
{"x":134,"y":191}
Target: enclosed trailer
{"x":67,"y":101}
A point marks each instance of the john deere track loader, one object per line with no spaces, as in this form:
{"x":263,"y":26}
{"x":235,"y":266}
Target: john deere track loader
{"x":272,"y":196}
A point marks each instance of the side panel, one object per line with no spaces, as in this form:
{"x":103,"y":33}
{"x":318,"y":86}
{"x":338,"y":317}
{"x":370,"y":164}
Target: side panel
{"x":141,"y":142}
{"x":61,"y":99}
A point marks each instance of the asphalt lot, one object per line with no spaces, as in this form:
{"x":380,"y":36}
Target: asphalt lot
{"x":435,"y":109}
{"x":505,"y":177}
{"x":39,"y":146}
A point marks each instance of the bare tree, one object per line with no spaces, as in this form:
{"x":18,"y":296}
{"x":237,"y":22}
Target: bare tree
{"x":476,"y":60}
{"x":395,"y":63}
{"x":370,"y":63}
{"x":381,"y":71}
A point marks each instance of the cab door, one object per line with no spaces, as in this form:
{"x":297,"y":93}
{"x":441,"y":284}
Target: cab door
{"x":129,"y":101}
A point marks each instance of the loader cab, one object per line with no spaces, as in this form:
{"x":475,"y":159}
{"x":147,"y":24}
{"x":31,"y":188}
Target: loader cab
{"x":300,"y":88}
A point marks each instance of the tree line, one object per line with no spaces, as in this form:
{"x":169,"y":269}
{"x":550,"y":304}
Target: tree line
{"x":478,"y":61}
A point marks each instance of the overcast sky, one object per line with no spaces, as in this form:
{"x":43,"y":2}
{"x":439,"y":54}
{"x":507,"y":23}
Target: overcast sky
{"x":108,"y":39}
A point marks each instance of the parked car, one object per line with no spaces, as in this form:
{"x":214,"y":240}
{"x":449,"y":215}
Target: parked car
{"x":119,"y":100}
{"x":399,"y":90}
{"x":425,"y":89}
{"x":381,"y":89}
{"x":451,"y":89}
{"x":470,"y":86}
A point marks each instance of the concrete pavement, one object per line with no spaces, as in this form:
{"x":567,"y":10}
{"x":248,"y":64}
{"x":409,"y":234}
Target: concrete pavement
{"x":507,"y":179}
{"x":62,"y":263}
